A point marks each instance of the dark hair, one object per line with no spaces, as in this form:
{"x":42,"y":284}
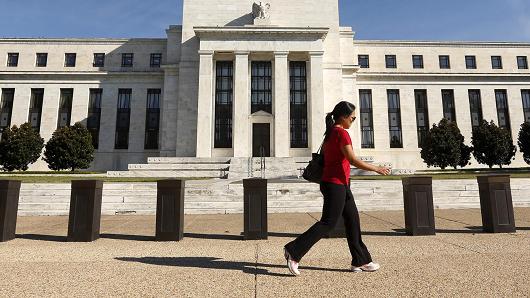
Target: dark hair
{"x":342,"y":109}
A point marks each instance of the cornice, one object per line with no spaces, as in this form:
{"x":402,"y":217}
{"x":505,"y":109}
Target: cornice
{"x":453,"y":44}
{"x":81,"y":41}
{"x":208,"y":31}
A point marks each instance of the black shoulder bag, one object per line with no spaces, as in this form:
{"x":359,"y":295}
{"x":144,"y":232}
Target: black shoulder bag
{"x":313,"y":171}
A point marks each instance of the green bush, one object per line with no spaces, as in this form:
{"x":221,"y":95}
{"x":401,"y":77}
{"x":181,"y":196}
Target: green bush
{"x":492,"y":145}
{"x":444,"y":146}
{"x":524,"y":141}
{"x":19,"y":147}
{"x":70,"y":147}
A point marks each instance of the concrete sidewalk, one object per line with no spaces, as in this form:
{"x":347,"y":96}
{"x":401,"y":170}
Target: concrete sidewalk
{"x":212,"y":260}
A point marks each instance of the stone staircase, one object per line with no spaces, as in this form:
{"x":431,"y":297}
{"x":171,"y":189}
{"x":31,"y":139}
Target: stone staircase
{"x":231,"y":168}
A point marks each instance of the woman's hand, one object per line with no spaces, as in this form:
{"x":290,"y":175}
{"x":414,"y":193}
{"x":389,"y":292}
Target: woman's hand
{"x":383,"y":171}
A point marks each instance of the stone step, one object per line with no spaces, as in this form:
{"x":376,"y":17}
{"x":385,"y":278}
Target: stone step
{"x":188,"y":160}
{"x":168,"y":174}
{"x":179,"y":167}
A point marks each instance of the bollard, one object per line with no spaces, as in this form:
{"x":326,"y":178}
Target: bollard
{"x":418,"y":203}
{"x":9,"y":194}
{"x":496,"y":204}
{"x":85,"y":210}
{"x":170,"y":210}
{"x":255,"y":209}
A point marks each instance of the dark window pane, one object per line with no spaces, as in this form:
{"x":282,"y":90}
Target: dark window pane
{"x":156,"y":60}
{"x":496,"y":62}
{"x":127,"y":59}
{"x":448,"y":103}
{"x":223,"y":104}
{"x":471,"y":62}
{"x":503,"y":115}
{"x":522,"y":62}
{"x":394,"y":119}
{"x":526,"y":104}
{"x":6,"y":108}
{"x":391,"y":61}
{"x":152,"y":121}
{"x":65,"y":107}
{"x":261,"y":92}
{"x":35,"y":108}
{"x":123,"y":118}
{"x":444,"y":62}
{"x":298,"y":102}
{"x":42,"y":59}
{"x":69,"y":59}
{"x":99,"y":60}
{"x":417,"y":61}
{"x":94,"y":115}
{"x":422,"y":115}
{"x":12,"y":59}
{"x":367,"y":120}
{"x":475,"y":106}
{"x":364,"y":61}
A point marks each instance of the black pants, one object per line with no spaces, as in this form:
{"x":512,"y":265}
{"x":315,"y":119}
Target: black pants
{"x":338,"y":200}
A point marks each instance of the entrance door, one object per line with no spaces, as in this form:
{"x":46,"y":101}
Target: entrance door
{"x":261,"y":140}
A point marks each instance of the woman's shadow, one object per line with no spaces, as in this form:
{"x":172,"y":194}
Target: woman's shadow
{"x":217,"y":263}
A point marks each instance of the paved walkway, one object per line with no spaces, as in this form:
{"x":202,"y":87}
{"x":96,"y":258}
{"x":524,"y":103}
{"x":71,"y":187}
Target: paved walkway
{"x":213,"y":261}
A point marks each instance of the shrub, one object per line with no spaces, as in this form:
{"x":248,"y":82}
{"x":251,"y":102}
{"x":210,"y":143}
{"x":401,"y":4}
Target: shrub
{"x":524,"y":141}
{"x":444,"y":146}
{"x":19,"y":147}
{"x":492,"y":145}
{"x":70,"y":147}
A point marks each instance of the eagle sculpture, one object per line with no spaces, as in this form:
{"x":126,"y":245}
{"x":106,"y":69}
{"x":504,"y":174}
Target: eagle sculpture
{"x":260,"y":11}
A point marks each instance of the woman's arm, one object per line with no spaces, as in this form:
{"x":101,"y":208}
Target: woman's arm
{"x":350,"y":156}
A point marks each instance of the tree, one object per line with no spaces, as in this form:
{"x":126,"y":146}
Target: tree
{"x":444,"y":146}
{"x":19,"y":147}
{"x":524,"y":141}
{"x":70,"y":147}
{"x":492,"y":145}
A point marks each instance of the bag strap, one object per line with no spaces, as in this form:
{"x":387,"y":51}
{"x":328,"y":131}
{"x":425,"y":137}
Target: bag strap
{"x":320,"y":148}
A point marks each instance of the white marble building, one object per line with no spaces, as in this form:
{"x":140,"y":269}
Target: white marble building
{"x":238,"y":80}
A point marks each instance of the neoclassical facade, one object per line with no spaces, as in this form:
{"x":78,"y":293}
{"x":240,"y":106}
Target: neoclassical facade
{"x":241,"y":78}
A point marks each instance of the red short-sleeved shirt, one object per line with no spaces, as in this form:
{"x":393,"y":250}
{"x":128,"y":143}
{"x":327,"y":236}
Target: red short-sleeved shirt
{"x":336,"y":166}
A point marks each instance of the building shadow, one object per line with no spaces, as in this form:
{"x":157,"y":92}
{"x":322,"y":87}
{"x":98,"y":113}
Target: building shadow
{"x":127,"y":237}
{"x":218,"y":263}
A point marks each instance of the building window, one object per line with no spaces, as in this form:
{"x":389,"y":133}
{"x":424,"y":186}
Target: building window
{"x":525,"y":94}
{"x":394,"y":119}
{"x":422,"y":115}
{"x":298,"y":111}
{"x":448,"y":103}
{"x":35,"y":108}
{"x":156,"y":60}
{"x":127,"y":59}
{"x":496,"y":62}
{"x":364,"y":61}
{"x":475,"y":106}
{"x":6,"y":108}
{"x":94,"y":115}
{"x":445,"y":62}
{"x":367,"y":119}
{"x":503,"y":115}
{"x":12,"y":59}
{"x":123,"y":119}
{"x":99,"y":60}
{"x":224,"y":92}
{"x":471,"y":62}
{"x":261,"y":95}
{"x":42,"y":59}
{"x":390,"y":61}
{"x":522,"y":62}
{"x":417,"y":61}
{"x":152,"y":122}
{"x":69,"y":59}
{"x":65,"y":107}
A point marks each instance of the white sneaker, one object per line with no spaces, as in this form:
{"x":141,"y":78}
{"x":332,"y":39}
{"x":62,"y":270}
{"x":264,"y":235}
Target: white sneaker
{"x":370,"y":267}
{"x":291,"y":264}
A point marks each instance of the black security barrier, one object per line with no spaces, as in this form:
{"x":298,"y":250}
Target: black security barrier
{"x":255,"y":209}
{"x":85,"y":210}
{"x":419,"y":209}
{"x":496,"y":204}
{"x":9,"y":194}
{"x":170,"y":210}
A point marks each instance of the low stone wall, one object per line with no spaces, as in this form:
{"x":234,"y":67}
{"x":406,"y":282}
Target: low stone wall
{"x":222,"y":196}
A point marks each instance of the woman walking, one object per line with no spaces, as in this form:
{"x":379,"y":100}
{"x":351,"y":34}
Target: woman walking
{"x":338,"y":199}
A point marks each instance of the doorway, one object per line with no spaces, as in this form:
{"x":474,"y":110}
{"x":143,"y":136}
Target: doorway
{"x":261,"y":140}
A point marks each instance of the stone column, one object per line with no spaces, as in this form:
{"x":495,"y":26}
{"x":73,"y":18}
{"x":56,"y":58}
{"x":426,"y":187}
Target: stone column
{"x":316,"y":103}
{"x":168,"y":116}
{"x":281,"y":105}
{"x":205,"y":105}
{"x":241,"y":105}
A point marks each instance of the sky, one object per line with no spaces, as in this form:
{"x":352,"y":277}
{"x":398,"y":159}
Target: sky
{"x":470,"y":20}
